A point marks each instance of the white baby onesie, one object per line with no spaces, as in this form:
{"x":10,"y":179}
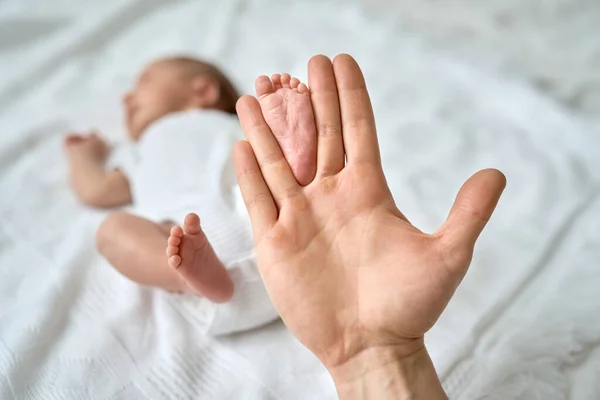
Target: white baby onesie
{"x":183,"y":164}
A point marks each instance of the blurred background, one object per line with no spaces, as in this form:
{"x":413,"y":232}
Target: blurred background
{"x":456,"y":86}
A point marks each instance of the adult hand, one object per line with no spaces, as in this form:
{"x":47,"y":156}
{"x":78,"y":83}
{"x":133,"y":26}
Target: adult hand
{"x":352,"y":279}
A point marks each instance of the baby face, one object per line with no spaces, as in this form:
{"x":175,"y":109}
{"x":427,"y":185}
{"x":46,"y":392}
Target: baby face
{"x":161,"y":89}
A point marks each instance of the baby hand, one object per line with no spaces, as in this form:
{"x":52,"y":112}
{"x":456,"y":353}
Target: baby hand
{"x":90,"y":144}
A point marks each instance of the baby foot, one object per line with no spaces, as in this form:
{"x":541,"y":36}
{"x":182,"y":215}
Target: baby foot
{"x":192,"y":256}
{"x":287,"y":108}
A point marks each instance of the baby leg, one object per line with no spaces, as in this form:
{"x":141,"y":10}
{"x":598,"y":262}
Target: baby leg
{"x":136,"y":248}
{"x":192,"y":256}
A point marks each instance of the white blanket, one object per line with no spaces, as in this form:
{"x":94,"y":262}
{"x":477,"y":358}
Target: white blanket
{"x":522,"y":325}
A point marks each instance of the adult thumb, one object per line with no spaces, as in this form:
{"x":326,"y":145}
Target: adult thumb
{"x":472,"y":209}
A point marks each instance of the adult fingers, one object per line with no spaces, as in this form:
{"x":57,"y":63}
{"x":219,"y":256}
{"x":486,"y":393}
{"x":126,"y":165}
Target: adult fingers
{"x":358,"y":121}
{"x":324,"y":96}
{"x":275,"y":168}
{"x":255,"y":192}
{"x":472,"y":209}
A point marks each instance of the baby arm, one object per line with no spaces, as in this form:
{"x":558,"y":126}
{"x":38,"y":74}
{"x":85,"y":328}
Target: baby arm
{"x":94,"y":185}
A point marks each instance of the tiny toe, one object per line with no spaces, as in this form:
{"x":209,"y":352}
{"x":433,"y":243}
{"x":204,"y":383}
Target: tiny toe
{"x":174,"y":261}
{"x":276,"y":79}
{"x":191,"y":224}
{"x":263,"y":85}
{"x":172,"y":251}
{"x":285,"y":80}
{"x":174,"y":241}
{"x":302,"y":88}
{"x":294,"y":82}
{"x":176,"y":231}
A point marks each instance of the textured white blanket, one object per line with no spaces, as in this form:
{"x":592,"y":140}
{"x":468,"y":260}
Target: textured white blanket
{"x":523,"y":324}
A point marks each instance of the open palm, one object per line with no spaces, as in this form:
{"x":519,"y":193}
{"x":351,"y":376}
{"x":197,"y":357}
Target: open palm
{"x":345,"y":269}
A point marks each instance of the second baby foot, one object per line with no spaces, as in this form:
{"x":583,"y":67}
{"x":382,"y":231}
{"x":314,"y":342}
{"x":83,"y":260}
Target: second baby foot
{"x":287,"y":108}
{"x":192,"y":256}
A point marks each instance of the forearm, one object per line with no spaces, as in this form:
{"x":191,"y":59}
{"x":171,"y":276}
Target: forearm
{"x":94,"y":185}
{"x":87,"y":174}
{"x":385,"y":374}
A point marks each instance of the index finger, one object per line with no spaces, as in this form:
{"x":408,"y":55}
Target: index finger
{"x":273,"y":165}
{"x":255,"y":192}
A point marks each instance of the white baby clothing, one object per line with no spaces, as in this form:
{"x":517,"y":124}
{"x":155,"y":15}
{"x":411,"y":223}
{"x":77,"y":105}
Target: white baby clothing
{"x":183,"y":164}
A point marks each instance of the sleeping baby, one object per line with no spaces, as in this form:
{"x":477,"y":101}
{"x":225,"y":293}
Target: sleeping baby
{"x":181,"y":119}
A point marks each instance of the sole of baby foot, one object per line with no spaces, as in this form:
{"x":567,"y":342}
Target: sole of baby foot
{"x":193,"y":258}
{"x":287,"y":109}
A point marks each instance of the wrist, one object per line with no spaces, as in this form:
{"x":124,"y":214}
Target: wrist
{"x":80,"y":156}
{"x":388,"y":373}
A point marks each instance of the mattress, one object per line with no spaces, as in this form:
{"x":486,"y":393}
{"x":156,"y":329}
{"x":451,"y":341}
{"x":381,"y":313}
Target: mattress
{"x":522,"y":325}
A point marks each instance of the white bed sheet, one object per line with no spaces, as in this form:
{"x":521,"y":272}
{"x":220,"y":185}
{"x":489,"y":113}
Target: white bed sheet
{"x":70,"y":327}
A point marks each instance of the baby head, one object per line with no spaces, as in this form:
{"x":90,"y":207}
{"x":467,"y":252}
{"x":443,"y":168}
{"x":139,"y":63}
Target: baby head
{"x":176,"y":84}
